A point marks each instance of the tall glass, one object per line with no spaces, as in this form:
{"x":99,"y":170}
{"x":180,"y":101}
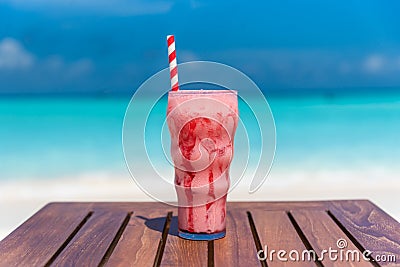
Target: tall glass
{"x":202,"y":125}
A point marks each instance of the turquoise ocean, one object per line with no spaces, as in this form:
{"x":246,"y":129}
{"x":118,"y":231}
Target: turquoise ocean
{"x":54,"y":137}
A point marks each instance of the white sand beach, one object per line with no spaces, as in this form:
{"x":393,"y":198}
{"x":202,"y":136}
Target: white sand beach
{"x":20,"y":199}
{"x":70,"y":150}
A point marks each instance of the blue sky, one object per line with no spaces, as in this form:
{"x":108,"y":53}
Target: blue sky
{"x":72,"y":46}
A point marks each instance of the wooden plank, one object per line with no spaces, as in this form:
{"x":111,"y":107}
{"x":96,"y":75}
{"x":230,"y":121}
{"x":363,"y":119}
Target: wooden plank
{"x":277,"y":233}
{"x":278,"y":206}
{"x":129,"y":206}
{"x":138,"y":243}
{"x":39,"y":238}
{"x":237,"y":248}
{"x":181,"y":252}
{"x":90,"y":244}
{"x":51,"y":231}
{"x":322,"y":233}
{"x":372,"y":228}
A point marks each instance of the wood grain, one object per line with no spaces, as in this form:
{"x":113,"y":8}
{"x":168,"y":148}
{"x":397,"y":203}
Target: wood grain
{"x":182,"y":252}
{"x":237,"y":248}
{"x":322,"y":233}
{"x":90,"y":244}
{"x":374,"y":229}
{"x":138,"y":243}
{"x":38,"y":239}
{"x":277,"y":232}
{"x":278,"y":206}
{"x":57,"y":232}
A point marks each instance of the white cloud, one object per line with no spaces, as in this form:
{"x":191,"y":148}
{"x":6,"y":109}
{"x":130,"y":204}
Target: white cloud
{"x":374,"y":63}
{"x":309,"y":62}
{"x":315,"y":67}
{"x":197,"y":4}
{"x":118,"y":7}
{"x":383,"y":64}
{"x":56,"y":64}
{"x":14,"y":56}
{"x":80,"y":67}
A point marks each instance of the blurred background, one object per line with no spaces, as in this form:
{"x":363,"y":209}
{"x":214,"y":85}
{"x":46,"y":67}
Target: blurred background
{"x":330,"y":71}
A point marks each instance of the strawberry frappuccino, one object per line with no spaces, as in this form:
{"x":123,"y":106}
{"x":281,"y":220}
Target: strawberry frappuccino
{"x":202,"y":125}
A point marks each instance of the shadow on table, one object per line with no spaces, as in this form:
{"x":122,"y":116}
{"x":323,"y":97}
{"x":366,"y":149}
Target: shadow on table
{"x":157,"y":224}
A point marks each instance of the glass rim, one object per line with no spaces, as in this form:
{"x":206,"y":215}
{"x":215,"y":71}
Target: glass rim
{"x":202,"y":91}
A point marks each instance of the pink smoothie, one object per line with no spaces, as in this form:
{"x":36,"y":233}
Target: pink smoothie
{"x":202,"y":125}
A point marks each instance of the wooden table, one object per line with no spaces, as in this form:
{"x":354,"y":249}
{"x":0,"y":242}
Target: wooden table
{"x":145,"y":234}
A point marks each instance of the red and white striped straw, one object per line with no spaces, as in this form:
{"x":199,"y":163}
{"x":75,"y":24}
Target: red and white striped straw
{"x":173,"y":66}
